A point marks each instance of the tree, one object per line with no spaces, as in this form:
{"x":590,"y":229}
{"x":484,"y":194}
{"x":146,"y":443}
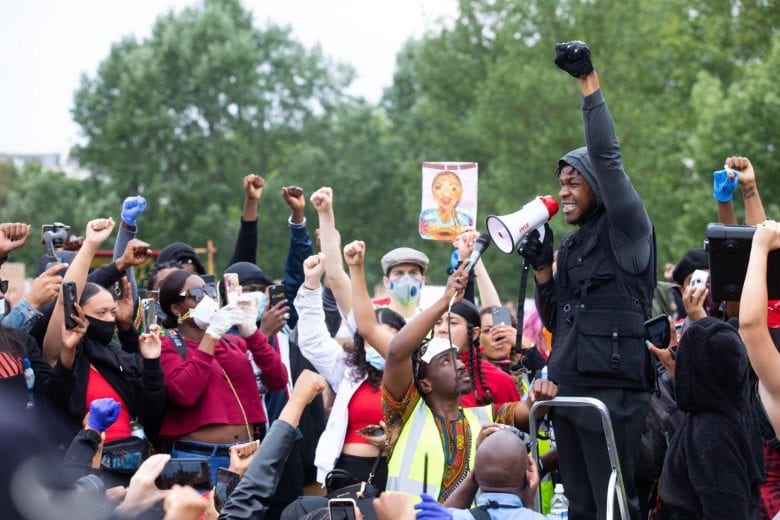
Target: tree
{"x":181,"y":116}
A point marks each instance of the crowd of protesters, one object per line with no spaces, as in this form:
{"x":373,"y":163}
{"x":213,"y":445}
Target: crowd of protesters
{"x":293,"y":395}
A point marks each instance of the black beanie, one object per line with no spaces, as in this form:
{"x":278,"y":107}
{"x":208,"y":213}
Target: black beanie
{"x":249,"y":274}
{"x":690,"y":261}
{"x":467,"y":311}
{"x":180,"y":253}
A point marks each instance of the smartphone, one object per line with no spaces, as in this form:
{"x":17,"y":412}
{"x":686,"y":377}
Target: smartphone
{"x":501,"y":316}
{"x":148,"y":313}
{"x":659,"y":331}
{"x":341,"y":509}
{"x":699,"y":277}
{"x":226,"y":482}
{"x":185,"y":472}
{"x":275,"y":294}
{"x":69,"y":302}
{"x":232,"y":288}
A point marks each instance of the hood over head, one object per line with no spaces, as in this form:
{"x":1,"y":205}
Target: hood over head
{"x":712,"y":369}
{"x":580,"y":161}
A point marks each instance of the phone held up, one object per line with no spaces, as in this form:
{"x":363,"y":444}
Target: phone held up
{"x":226,"y":482}
{"x":185,"y":472}
{"x":659,"y":331}
{"x":341,"y":509}
{"x":275,"y":294}
{"x":699,"y":277}
{"x":501,"y":316}
{"x":69,"y":302}
{"x":148,"y":313}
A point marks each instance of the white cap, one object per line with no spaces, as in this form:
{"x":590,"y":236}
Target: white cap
{"x":559,"y":488}
{"x":435,"y":347}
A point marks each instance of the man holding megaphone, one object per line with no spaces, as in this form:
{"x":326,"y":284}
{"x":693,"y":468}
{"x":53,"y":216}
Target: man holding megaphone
{"x":597,"y":301}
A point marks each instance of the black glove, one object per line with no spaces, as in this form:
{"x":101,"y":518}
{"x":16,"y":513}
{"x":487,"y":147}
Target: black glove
{"x":539,"y":253}
{"x":574,"y":58}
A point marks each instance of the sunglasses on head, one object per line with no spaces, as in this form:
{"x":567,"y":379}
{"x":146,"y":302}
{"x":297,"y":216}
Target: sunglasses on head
{"x":3,"y":286}
{"x":197,"y":293}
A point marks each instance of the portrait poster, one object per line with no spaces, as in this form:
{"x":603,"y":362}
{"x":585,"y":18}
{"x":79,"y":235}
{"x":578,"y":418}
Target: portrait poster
{"x":449,"y":199}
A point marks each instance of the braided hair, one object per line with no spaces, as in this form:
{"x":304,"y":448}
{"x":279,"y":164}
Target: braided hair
{"x":475,"y":368}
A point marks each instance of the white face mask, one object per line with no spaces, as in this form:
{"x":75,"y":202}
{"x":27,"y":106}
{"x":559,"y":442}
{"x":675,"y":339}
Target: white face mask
{"x":203,"y":312}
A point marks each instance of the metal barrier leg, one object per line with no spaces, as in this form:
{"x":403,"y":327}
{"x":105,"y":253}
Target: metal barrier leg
{"x":616,"y":487}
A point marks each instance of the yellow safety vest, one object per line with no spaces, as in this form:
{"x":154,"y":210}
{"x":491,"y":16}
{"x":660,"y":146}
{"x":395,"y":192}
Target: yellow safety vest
{"x":420,"y":435}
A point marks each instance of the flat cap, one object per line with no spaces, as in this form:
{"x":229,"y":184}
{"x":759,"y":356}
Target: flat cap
{"x":404,"y":255}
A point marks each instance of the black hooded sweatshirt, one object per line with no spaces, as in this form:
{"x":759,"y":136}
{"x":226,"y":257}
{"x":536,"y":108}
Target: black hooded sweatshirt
{"x":714,"y":463}
{"x":597,"y":303}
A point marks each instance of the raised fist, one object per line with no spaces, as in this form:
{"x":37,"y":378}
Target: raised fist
{"x":574,"y":58}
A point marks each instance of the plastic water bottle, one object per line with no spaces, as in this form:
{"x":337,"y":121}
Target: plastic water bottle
{"x":559,"y":505}
{"x":29,"y":380}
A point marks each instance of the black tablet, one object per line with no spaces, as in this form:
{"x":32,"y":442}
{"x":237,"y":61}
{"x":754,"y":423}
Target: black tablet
{"x":729,"y":251}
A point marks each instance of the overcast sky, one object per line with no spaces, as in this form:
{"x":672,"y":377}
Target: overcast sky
{"x":45,"y":45}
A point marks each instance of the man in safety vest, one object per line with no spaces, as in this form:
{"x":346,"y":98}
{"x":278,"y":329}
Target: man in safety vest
{"x":431,"y":439}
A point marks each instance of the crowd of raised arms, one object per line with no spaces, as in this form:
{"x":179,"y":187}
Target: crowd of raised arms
{"x":195,"y":396}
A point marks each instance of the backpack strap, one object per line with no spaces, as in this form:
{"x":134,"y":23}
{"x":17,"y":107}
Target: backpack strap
{"x":178,"y":343}
{"x":480,"y":514}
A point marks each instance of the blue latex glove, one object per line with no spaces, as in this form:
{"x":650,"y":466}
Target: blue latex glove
{"x":132,"y":208}
{"x":723,"y":187}
{"x":103,"y":413}
{"x":431,"y":509}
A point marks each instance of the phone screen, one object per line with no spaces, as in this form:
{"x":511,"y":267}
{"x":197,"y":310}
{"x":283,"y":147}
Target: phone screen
{"x":658,"y":331}
{"x":341,"y":509}
{"x":185,"y":472}
{"x":501,"y":315}
{"x":226,"y":482}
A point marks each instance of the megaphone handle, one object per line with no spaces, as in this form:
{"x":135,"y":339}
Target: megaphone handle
{"x":521,"y":304}
{"x":541,"y":231}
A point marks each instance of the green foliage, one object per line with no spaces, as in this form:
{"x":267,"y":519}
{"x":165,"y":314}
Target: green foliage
{"x":181,"y":116}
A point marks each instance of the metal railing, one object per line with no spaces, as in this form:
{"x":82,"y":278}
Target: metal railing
{"x":616,"y":487}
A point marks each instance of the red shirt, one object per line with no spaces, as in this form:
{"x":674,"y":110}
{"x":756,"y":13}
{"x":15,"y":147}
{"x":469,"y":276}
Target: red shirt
{"x":363,"y":409}
{"x":99,"y":388}
{"x":501,"y":384}
{"x":198,"y":392}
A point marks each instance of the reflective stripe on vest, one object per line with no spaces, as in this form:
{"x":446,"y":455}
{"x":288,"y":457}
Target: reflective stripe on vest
{"x":420,"y":435}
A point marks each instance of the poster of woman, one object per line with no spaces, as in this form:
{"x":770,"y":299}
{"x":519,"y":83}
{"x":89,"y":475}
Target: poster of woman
{"x":449,"y":199}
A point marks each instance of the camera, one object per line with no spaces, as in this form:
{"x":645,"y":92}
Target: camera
{"x":54,"y":236}
{"x":729,"y":251}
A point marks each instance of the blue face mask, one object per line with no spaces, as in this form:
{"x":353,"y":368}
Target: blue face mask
{"x":405,"y":289}
{"x":374,"y":359}
{"x":261,"y":301}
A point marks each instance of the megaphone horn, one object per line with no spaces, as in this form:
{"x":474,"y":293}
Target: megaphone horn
{"x":507,"y":231}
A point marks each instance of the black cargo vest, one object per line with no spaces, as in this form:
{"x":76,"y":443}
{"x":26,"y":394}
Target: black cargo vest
{"x":599,"y":337}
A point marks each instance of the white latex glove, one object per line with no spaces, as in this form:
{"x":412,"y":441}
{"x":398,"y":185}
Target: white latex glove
{"x":223,"y":320}
{"x":248,"y":324}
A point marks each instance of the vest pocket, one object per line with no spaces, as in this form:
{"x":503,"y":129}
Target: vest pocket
{"x":610,"y":343}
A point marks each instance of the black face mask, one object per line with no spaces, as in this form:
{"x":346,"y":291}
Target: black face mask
{"x":100,"y":331}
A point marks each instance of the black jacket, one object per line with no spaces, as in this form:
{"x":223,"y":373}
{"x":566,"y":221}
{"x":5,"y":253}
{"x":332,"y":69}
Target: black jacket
{"x":714,"y":463}
{"x":602,"y":293}
{"x":138,"y":381}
